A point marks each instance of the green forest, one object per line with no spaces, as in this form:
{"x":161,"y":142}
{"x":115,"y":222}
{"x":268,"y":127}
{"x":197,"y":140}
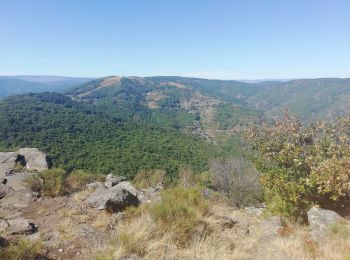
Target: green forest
{"x":82,"y":136}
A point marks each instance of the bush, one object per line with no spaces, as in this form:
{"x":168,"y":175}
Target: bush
{"x":77,"y":180}
{"x":34,"y":182}
{"x":23,"y":250}
{"x":179,"y":212}
{"x":304,"y":165}
{"x":53,"y":182}
{"x":150,"y":179}
{"x":238,"y":182}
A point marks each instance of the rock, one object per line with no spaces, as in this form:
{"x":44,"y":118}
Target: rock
{"x":4,"y":190}
{"x":35,"y":159}
{"x":20,"y":226}
{"x":18,"y":199}
{"x":148,"y":195}
{"x":101,"y":196}
{"x":112,"y":180}
{"x":121,"y":199}
{"x":7,"y":163}
{"x":4,"y":242}
{"x":128,"y":186}
{"x":3,"y":226}
{"x":320,"y":220}
{"x":94,"y":185}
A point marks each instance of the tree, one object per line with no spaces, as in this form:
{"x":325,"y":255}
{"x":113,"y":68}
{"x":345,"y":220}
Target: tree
{"x":238,"y":182}
{"x":303,"y":165}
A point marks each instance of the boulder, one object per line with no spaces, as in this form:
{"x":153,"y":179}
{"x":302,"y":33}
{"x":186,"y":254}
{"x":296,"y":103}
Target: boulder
{"x":35,"y":160}
{"x":18,"y":199}
{"x":101,"y":196}
{"x":120,"y":200}
{"x":320,"y":220}
{"x":112,"y":180}
{"x":4,"y":190}
{"x":20,"y":226}
{"x":148,"y":195}
{"x":128,"y":186}
{"x":7,"y":162}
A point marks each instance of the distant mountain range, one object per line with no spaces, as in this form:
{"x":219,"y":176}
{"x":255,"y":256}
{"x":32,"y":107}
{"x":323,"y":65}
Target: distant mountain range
{"x":12,"y":85}
{"x":128,"y":124}
{"x":310,"y":99}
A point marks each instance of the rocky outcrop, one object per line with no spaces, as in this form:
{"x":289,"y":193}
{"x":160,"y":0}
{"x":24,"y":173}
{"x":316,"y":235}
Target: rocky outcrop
{"x":4,"y":190}
{"x":17,"y":226}
{"x":31,"y":158}
{"x":120,"y":200}
{"x":7,"y":163}
{"x":35,"y":160}
{"x":112,"y":180}
{"x":320,"y":220}
{"x":114,"y":199}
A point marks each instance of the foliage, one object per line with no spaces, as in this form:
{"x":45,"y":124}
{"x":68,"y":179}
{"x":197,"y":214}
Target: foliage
{"x":229,"y":116}
{"x":34,"y":182}
{"x":304,"y":166}
{"x":237,"y":181}
{"x":179,"y":212}
{"x":53,"y":182}
{"x":82,"y":136}
{"x":78,"y":179}
{"x":22,"y":250}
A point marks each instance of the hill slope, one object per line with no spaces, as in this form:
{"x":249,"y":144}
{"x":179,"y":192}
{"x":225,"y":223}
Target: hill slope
{"x":14,"y":85}
{"x":307,"y":98}
{"x":79,"y":136}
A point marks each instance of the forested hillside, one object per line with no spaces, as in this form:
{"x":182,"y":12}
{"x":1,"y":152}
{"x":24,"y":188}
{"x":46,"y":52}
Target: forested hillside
{"x":80,"y":136}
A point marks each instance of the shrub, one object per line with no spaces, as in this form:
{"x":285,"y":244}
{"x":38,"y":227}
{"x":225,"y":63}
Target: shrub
{"x":23,"y":250}
{"x":34,"y":182}
{"x":150,"y":179}
{"x":179,"y":212}
{"x":53,"y":182}
{"x":77,"y":180}
{"x":304,"y":165}
{"x":238,"y":182}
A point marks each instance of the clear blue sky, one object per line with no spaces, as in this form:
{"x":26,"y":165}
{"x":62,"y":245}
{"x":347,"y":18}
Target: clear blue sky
{"x":243,"y":39}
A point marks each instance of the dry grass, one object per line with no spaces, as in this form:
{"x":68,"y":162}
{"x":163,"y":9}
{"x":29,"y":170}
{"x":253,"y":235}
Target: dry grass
{"x":141,"y":234}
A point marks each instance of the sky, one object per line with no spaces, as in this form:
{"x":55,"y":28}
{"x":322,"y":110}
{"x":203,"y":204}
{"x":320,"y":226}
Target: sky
{"x":223,"y":39}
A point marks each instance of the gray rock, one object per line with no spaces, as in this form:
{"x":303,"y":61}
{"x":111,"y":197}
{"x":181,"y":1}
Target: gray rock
{"x":35,"y":159}
{"x":128,"y":186}
{"x":18,"y":199}
{"x":20,"y":226}
{"x":320,"y":220}
{"x":7,"y":162}
{"x":102,"y":197}
{"x":94,"y":185}
{"x":112,"y":180}
{"x":148,"y":195}
{"x":4,"y":190}
{"x":121,"y":199}
{"x":3,"y":226}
